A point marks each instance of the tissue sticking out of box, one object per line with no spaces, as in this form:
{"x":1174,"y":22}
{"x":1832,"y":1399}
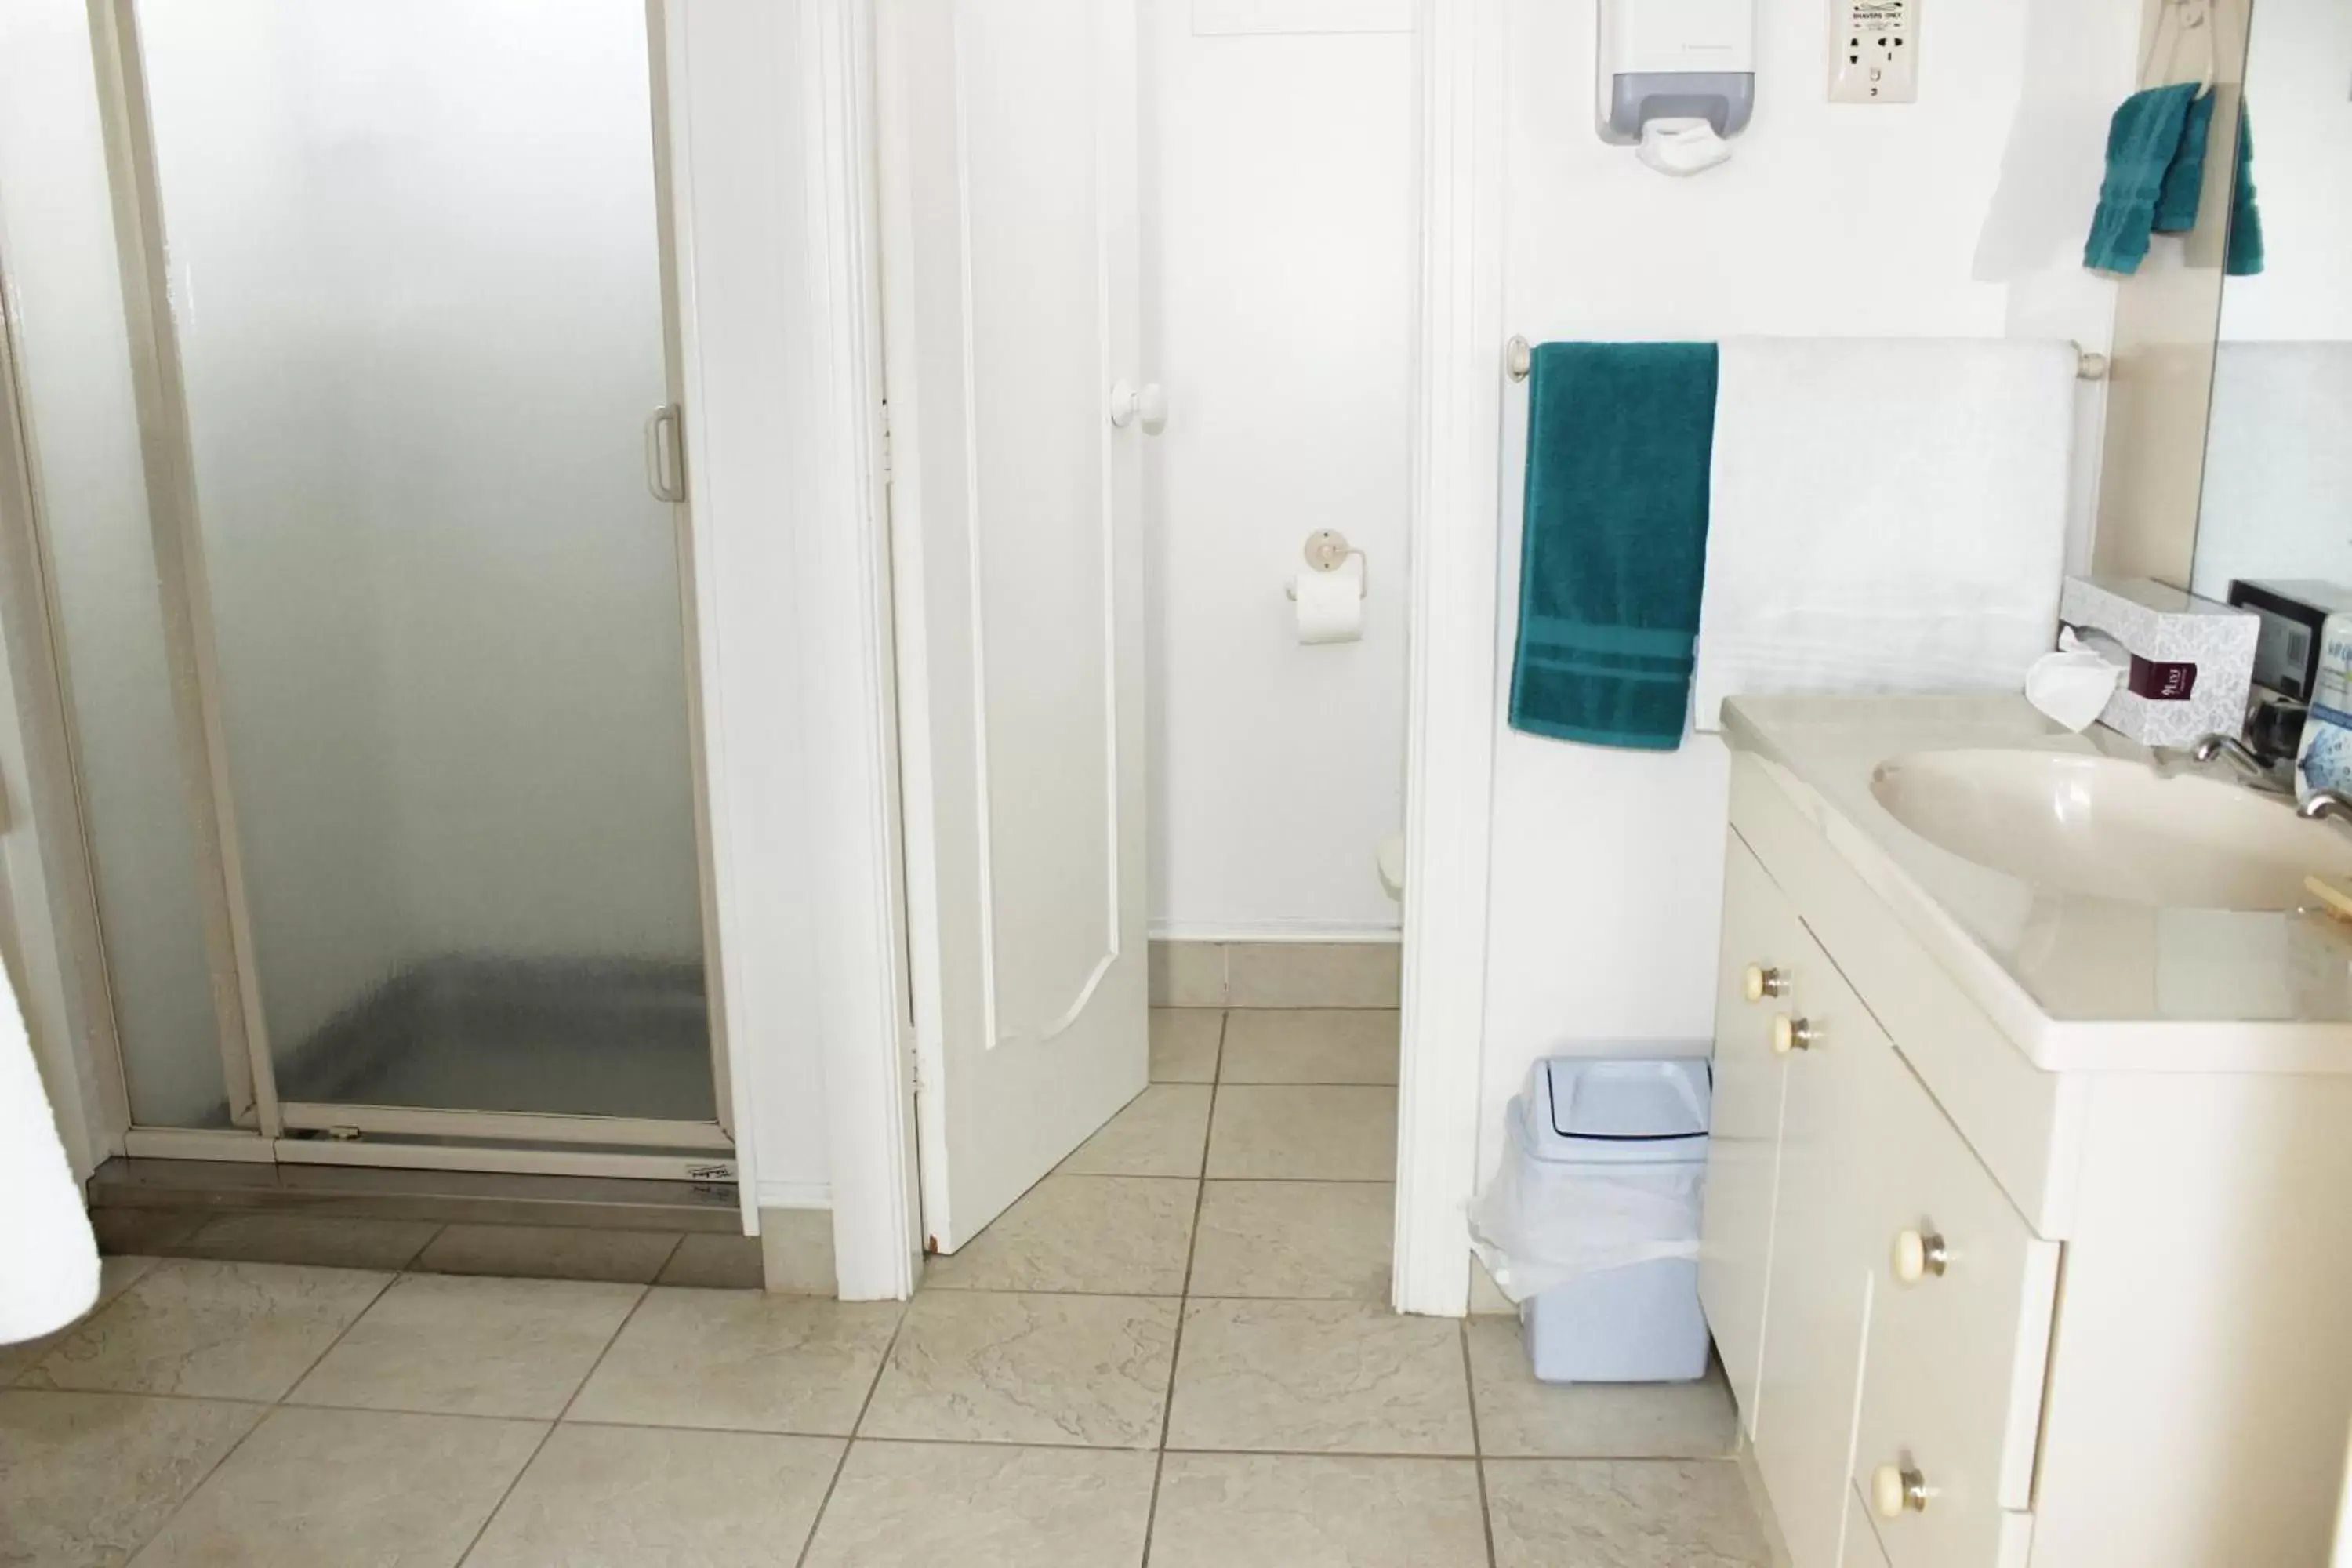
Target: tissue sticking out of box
{"x":2072,"y":686}
{"x":2188,"y":662}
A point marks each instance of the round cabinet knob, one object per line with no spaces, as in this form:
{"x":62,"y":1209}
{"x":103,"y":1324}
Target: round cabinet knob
{"x":1897,"y":1489}
{"x":1792,"y":1035}
{"x":1762,"y":982}
{"x":1130,"y":402}
{"x":1917,"y":1255}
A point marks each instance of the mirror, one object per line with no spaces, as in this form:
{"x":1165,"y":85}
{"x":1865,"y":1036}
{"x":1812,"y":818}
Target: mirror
{"x":2276,"y":503}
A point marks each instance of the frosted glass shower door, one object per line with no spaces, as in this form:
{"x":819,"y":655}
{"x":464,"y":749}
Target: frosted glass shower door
{"x":416,"y":284}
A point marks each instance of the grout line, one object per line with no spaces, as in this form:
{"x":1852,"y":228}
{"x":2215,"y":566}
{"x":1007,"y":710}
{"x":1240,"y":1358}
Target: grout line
{"x":1159,"y":1468}
{"x":1477,"y":1440}
{"x":644,"y":1291}
{"x":276,"y":1404}
{"x":817,"y":1519}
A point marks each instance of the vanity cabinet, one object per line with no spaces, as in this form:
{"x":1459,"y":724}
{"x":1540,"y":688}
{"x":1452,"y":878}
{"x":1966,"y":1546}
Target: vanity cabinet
{"x":1895,"y":1194}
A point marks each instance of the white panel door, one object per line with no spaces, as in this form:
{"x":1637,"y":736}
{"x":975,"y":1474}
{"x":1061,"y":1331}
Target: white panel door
{"x":1009,"y":236}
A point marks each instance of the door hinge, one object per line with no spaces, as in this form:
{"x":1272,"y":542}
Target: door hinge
{"x":887,"y":455}
{"x":914,"y":1058}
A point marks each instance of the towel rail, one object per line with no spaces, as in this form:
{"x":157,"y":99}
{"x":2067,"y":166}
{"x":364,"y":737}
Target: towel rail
{"x":1519,"y":359}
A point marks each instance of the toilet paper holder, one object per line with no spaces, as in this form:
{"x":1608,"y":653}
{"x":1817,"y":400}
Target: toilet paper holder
{"x":1327,"y":550}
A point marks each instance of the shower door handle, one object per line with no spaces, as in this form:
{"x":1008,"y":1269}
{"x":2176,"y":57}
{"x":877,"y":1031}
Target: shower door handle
{"x":665,"y":455}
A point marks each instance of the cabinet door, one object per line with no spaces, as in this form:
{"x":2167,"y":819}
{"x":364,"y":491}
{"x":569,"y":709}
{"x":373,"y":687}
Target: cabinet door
{"x":1862,"y":1547}
{"x":1759,"y":931}
{"x":1817,"y":1299}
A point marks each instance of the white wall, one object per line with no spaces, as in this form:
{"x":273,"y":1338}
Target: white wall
{"x":1278,"y":247}
{"x":2299,"y":101}
{"x":1897,"y":221}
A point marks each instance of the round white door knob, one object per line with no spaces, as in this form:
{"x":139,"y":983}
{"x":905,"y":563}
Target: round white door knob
{"x":1918,"y":1254}
{"x":1761,"y":981}
{"x":1148,"y":403}
{"x":1895,"y":1489}
{"x":1792,"y":1035}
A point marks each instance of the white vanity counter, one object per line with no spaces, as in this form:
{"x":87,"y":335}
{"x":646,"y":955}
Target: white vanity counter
{"x":2027,"y":1241}
{"x":2078,"y":983}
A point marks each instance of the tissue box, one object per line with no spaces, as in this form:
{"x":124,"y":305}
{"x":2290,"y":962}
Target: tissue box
{"x":2191,"y":660}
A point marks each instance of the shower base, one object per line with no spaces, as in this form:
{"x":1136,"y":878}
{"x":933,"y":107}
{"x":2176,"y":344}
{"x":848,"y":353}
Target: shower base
{"x":591,"y":1038}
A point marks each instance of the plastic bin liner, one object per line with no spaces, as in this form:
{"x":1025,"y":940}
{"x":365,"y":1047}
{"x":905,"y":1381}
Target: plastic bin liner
{"x":1545,"y":1223}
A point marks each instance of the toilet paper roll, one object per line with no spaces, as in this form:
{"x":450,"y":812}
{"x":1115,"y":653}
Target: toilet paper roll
{"x":1330,"y":606}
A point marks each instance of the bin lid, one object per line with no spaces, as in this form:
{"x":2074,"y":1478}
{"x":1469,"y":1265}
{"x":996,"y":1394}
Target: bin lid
{"x":1587,"y":1109}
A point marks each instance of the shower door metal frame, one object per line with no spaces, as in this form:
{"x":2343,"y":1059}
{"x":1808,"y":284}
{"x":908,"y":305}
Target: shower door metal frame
{"x":493,"y":1141}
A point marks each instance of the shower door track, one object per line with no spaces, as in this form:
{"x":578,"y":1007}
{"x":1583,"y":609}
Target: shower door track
{"x":268,"y":1130}
{"x":714,"y":1165}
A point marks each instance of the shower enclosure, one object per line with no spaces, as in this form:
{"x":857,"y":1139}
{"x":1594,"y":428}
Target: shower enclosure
{"x":382,"y":708}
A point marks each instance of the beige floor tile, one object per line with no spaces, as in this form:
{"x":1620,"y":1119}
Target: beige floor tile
{"x":1623,"y":1513}
{"x":1313,"y":975}
{"x":716,"y":1263}
{"x":741,"y":1362}
{"x":1187,"y":974}
{"x":88,"y":1478}
{"x":1111,"y":1234}
{"x":1284,"y":1132}
{"x":1329,"y":1240}
{"x":1161,"y":1133}
{"x":211,"y":1329}
{"x":1519,"y":1417}
{"x":796,"y":1251}
{"x":549,"y":1252}
{"x":1309,"y":1046}
{"x":317,"y":1487}
{"x":115,"y":1275}
{"x":918,"y":1505}
{"x":990,"y":1368}
{"x":1319,"y":1377}
{"x":324,"y":1240}
{"x":1184,"y":1044}
{"x":634,"y":1497}
{"x":1286,"y":1510}
{"x":449,"y":1344}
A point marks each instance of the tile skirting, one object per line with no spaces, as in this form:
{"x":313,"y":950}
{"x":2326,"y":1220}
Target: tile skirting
{"x":1276,"y":973}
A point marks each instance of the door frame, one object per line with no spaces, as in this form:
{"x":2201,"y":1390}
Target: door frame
{"x":1455,"y":546}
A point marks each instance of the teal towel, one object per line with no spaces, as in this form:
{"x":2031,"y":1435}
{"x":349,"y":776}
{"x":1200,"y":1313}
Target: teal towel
{"x":2183,"y":189}
{"x":1620,"y":440}
{"x":2143,"y":141}
{"x":2245,"y":254}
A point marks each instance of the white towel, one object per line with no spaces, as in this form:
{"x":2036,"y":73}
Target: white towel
{"x":1887,"y":515}
{"x":48,"y":1262}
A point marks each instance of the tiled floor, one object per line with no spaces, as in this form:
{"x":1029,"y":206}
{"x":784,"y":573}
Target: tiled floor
{"x":1140,"y":1364}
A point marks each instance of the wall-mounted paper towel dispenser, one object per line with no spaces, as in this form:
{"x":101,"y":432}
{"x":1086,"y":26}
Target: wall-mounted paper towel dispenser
{"x":1676,"y":77}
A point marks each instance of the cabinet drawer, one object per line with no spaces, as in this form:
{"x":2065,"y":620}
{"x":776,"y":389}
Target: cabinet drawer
{"x":1912,"y":1426}
{"x":1980,"y":1325}
{"x":1954,"y":1371}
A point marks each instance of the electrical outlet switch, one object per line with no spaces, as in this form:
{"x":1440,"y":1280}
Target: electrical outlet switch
{"x":1873,"y":51}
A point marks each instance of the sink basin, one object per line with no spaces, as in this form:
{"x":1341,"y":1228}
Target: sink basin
{"x":2109,"y":828}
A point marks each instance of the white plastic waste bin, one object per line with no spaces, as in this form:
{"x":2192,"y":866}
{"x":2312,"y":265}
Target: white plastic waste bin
{"x":1596,"y":1218}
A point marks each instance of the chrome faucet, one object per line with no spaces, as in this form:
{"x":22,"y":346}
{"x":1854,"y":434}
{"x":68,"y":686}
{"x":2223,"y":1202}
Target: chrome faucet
{"x":2324,"y":802}
{"x":2269,"y":777}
